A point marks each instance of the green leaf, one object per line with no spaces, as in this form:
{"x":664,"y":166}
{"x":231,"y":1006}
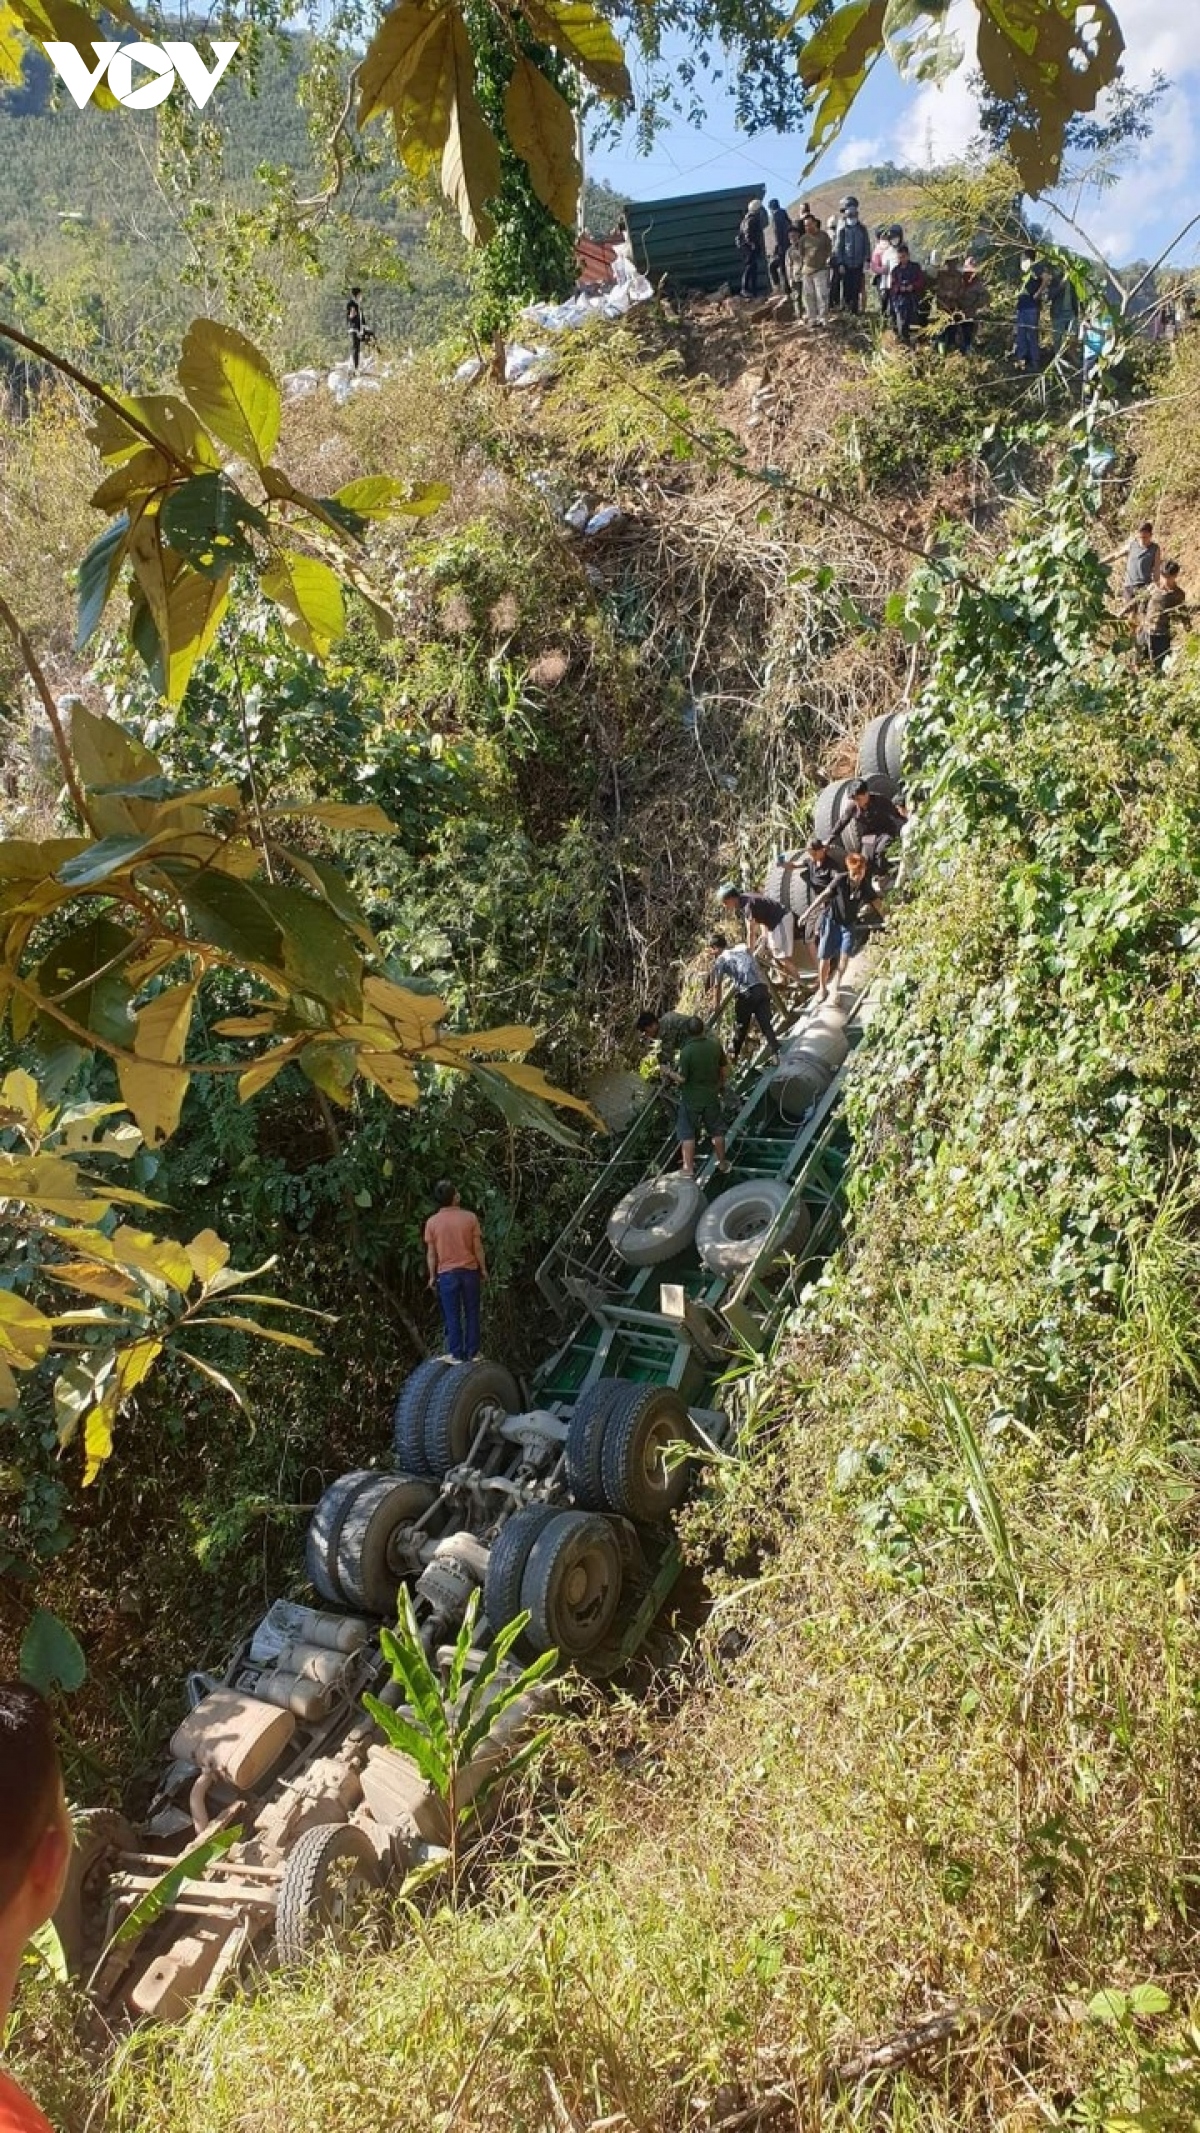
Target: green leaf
{"x":1149,"y":2000}
{"x":410,"y":1741}
{"x":48,"y":1947}
{"x":381,"y":496}
{"x":101,"y":860}
{"x":100,"y":998}
{"x":521,"y":1109}
{"x":486,"y":1716}
{"x":462,"y":1648}
{"x":332,"y":1069}
{"x":231,"y":914}
{"x":230,"y":386}
{"x":319,"y":956}
{"x":98,"y":573}
{"x":192,"y":1866}
{"x":1109,"y":2005}
{"x":51,"y":1655}
{"x":310,"y":597}
{"x":206,"y":519}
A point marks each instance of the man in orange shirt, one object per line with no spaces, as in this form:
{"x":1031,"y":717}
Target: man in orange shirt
{"x":457,"y":1269}
{"x":35,"y":1850}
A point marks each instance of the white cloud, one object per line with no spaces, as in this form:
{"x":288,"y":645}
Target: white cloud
{"x":857,"y":153}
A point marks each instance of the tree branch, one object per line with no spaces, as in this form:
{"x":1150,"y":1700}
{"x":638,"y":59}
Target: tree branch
{"x":95,"y":391}
{"x":50,"y":707}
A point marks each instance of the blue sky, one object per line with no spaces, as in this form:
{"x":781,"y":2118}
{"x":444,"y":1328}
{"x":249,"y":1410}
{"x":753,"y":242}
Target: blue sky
{"x":891,"y":121}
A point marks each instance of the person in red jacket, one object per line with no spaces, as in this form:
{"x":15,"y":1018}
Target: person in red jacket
{"x":35,"y":1851}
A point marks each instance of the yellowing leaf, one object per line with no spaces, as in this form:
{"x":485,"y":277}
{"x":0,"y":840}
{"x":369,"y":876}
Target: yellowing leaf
{"x":415,"y":1014}
{"x":513,"y":1037}
{"x":471,"y":157}
{"x":154,"y":1088}
{"x":574,"y":28}
{"x":133,"y":1364}
{"x":109,"y":1284}
{"x":541,"y":127}
{"x":339,"y":815}
{"x":160,"y":1259}
{"x":10,"y":1396}
{"x":264,"y":1333}
{"x":12,"y":50}
{"x":230,"y":386}
{"x":163,"y":1024}
{"x":246,"y":1025}
{"x":208,"y":1254}
{"x":97,"y":1439}
{"x":310,"y":597}
{"x":422,"y":116}
{"x":19,"y":1092}
{"x":106,"y":755}
{"x":524,"y":1076}
{"x":138,"y":477}
{"x":24,"y":1331}
{"x":392,"y":57}
{"x":392,"y":1076}
{"x":263,"y":1071}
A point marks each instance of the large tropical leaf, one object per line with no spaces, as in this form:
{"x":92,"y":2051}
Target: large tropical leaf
{"x":541,"y":127}
{"x":230,"y":386}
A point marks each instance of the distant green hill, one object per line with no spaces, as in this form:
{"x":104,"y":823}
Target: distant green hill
{"x":90,"y":229}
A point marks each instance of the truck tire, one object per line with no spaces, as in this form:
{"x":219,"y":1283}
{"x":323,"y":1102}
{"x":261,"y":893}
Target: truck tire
{"x":97,"y":1835}
{"x":637,"y":1480}
{"x":572,"y":1584}
{"x":656,"y":1220}
{"x":781,"y":878}
{"x":325,"y":1531}
{"x":365,"y":1577}
{"x":872,"y":747}
{"x":731,"y":1233}
{"x":590,"y":1418}
{"x":507,"y":1557}
{"x":330,"y":1875}
{"x":412,"y":1406}
{"x":893,"y":746}
{"x":455,"y":1410}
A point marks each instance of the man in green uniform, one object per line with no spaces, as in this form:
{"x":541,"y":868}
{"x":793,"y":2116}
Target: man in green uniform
{"x":703,"y":1068}
{"x":669,"y":1028}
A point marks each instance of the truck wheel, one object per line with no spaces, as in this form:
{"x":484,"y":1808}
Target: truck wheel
{"x":455,"y":1411}
{"x":572,"y":1584}
{"x":99,"y":1833}
{"x":366,"y":1574}
{"x":656,"y":1220}
{"x":637,"y":1478}
{"x":325,"y":1531}
{"x":585,"y":1438}
{"x":731,"y":1234}
{"x":872,"y":747}
{"x":331,"y":1874}
{"x":507,"y":1557}
{"x":412,"y":1406}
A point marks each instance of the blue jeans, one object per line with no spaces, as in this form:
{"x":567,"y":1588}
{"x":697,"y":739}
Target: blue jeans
{"x":458,"y":1294}
{"x":1028,"y":349}
{"x":836,"y":940}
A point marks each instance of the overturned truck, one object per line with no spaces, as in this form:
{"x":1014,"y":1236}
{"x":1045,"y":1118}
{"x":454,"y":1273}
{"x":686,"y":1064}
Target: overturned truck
{"x":283,"y":1807}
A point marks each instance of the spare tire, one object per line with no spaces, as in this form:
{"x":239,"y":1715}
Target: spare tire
{"x":731,"y":1231}
{"x":455,"y":1411}
{"x":872,"y":747}
{"x":656,"y":1220}
{"x":893,"y":746}
{"x":330,"y":1875}
{"x":798,"y":1084}
{"x":325,"y":1531}
{"x":412,"y":1406}
{"x":364,"y":1576}
{"x":788,"y":886}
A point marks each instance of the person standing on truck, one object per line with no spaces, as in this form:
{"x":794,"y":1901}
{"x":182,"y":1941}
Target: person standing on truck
{"x":703,"y":1071}
{"x":671,"y":1030}
{"x":851,"y":897}
{"x":35,"y":1853}
{"x":767,"y":921}
{"x":457,"y":1270}
{"x":751,"y":996}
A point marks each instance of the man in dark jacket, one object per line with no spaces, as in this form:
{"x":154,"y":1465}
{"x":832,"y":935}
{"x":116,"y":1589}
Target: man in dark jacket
{"x":1163,"y":609}
{"x":873,"y":821}
{"x":751,"y":244}
{"x":779,"y":237}
{"x":851,"y":251}
{"x":1028,"y":351}
{"x":852,"y":902}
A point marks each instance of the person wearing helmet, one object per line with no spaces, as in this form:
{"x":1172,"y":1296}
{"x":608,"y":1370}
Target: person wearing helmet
{"x":768,"y":923}
{"x":751,"y":244}
{"x":779,"y":241}
{"x":851,"y":252}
